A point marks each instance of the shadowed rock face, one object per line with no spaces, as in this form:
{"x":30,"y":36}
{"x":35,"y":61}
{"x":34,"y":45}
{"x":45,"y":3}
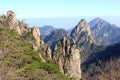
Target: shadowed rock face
{"x":67,"y":56}
{"x":105,"y":32}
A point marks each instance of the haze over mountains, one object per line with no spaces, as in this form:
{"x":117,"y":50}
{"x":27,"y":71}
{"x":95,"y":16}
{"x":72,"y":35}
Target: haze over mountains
{"x":60,"y":40}
{"x":104,"y":32}
{"x":62,"y":55}
{"x":67,"y":22}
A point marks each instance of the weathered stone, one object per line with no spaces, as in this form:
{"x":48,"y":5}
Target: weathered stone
{"x":12,"y":21}
{"x":36,"y":33}
{"x":82,"y":34}
{"x":67,"y":56}
{"x":46,"y":54}
{"x":24,"y":27}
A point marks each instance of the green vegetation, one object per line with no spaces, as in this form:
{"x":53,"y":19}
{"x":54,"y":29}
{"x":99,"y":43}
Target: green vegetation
{"x":17,"y":58}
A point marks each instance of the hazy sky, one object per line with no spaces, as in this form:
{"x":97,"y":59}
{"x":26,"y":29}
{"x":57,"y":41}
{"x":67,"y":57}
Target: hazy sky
{"x":62,"y":13}
{"x":58,"y":8}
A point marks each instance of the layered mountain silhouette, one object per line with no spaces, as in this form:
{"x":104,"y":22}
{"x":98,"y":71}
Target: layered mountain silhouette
{"x":54,"y":37}
{"x":81,"y":54}
{"x":46,"y":30}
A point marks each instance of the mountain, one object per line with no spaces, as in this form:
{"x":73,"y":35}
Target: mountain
{"x":46,"y":30}
{"x":104,"y":32}
{"x":84,"y":39}
{"x":67,"y":56}
{"x":74,"y":49}
{"x":82,"y":34}
{"x":54,"y":37}
{"x":75,"y":56}
{"x":23,"y":54}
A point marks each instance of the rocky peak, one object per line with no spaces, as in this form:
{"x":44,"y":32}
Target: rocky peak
{"x":82,"y":34}
{"x":98,"y":19}
{"x":46,"y":54}
{"x":67,"y":56}
{"x":12,"y":21}
{"x":24,"y":27}
{"x":97,"y":22}
{"x":36,"y":33}
{"x":105,"y":32}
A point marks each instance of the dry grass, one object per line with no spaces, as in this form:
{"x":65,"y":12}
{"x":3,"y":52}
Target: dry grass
{"x":105,"y":71}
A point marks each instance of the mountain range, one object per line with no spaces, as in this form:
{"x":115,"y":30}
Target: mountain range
{"x":97,"y":41}
{"x":90,"y":51}
{"x":104,"y":32}
{"x":45,"y":30}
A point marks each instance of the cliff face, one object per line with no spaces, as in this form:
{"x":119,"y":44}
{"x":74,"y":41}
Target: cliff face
{"x":46,"y":55}
{"x":82,"y":34}
{"x":12,"y":21}
{"x":84,"y":39}
{"x":105,"y":32}
{"x":67,"y":56}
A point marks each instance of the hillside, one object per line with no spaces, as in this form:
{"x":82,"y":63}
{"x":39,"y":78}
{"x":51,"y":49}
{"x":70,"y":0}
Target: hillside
{"x":23,"y":55}
{"x":75,"y":56}
{"x":104,"y":64}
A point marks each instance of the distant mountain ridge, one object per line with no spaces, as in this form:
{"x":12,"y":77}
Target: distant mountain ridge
{"x":54,"y":37}
{"x":45,"y":30}
{"x":104,"y":32}
{"x":74,"y":56}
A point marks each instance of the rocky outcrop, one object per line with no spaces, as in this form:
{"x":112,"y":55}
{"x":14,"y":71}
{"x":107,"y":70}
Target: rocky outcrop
{"x":82,"y":34}
{"x":67,"y":56}
{"x":12,"y":21}
{"x":22,"y":29}
{"x":46,"y":54}
{"x":36,"y":33}
{"x":84,"y":39}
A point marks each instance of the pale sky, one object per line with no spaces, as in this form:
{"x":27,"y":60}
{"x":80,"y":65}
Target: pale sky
{"x":62,"y":13}
{"x":61,"y":8}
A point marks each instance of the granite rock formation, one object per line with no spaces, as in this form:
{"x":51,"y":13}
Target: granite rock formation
{"x":67,"y":56}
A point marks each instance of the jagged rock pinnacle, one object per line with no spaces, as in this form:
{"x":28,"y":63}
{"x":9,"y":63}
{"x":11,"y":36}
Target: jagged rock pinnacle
{"x":67,"y":56}
{"x":82,"y":33}
{"x":12,"y":21}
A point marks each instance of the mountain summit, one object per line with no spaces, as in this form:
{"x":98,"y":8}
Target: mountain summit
{"x":82,"y":34}
{"x":105,"y":32}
